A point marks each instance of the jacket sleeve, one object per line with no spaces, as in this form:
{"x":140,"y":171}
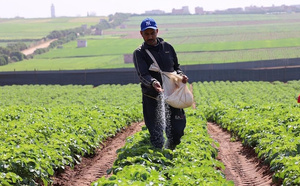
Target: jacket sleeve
{"x":142,"y":68}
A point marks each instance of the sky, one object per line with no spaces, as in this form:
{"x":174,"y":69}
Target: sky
{"x":74,"y":8}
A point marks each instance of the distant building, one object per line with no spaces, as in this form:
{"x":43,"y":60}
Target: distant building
{"x":275,"y":9}
{"x":154,"y":12}
{"x":254,"y":9}
{"x":199,"y":10}
{"x":52,"y":11}
{"x":81,"y":43}
{"x":294,"y":8}
{"x":183,"y":11}
{"x":235,"y":10}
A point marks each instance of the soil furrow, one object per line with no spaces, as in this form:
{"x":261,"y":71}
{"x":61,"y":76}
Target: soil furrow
{"x":241,"y":165}
{"x":91,"y":169}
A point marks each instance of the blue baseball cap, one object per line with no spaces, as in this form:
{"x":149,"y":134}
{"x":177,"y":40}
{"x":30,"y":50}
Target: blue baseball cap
{"x":148,"y":23}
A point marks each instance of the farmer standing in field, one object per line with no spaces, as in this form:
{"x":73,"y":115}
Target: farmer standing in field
{"x":151,"y":84}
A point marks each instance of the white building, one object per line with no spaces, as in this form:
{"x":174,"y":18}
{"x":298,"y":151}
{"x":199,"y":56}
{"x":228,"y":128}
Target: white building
{"x":81,"y":43}
{"x":52,"y":11}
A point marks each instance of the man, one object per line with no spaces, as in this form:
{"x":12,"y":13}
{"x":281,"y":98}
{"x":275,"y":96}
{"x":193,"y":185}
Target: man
{"x":151,"y":84}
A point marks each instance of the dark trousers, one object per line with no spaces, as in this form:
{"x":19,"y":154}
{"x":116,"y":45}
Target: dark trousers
{"x":173,"y":123}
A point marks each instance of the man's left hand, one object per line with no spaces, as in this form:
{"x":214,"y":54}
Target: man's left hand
{"x":184,"y":79}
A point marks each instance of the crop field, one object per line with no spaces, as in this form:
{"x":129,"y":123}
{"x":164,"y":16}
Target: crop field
{"x":46,"y":128}
{"x":18,"y":29}
{"x":263,"y":115}
{"x":208,"y":39}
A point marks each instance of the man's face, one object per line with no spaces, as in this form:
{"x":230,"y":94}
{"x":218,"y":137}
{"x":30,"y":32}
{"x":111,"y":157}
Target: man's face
{"x":149,"y":35}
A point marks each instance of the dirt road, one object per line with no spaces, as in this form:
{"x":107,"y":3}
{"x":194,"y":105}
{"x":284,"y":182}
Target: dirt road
{"x":29,"y":51}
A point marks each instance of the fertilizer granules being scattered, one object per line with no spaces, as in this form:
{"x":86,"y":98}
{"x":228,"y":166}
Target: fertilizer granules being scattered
{"x":163,"y":112}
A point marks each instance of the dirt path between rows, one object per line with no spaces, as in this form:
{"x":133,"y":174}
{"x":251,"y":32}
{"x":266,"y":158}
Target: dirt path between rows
{"x":91,"y":169}
{"x":241,"y":163}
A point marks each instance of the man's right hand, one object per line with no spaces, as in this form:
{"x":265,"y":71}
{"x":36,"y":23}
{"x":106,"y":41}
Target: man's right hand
{"x":157,"y":86}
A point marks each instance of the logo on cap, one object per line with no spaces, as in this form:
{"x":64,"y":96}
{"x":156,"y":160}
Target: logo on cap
{"x":148,"y":23}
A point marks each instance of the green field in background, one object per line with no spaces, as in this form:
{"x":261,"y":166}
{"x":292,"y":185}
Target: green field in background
{"x":11,"y":29}
{"x":197,"y":39}
{"x":96,"y":47}
{"x":78,"y":63}
{"x":183,"y":19}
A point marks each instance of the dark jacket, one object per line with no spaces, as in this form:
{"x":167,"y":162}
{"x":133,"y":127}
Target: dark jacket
{"x":166,"y":58}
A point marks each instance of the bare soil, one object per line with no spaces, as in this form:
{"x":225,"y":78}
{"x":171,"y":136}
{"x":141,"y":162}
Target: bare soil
{"x":30,"y":50}
{"x":241,"y":163}
{"x":91,"y":169}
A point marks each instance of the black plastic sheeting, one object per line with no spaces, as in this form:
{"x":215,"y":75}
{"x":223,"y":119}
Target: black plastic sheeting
{"x":75,"y":77}
{"x":271,"y":70}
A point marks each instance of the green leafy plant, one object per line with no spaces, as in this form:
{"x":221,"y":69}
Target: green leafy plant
{"x":191,"y":163}
{"x":263,"y":115}
{"x":46,"y":128}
